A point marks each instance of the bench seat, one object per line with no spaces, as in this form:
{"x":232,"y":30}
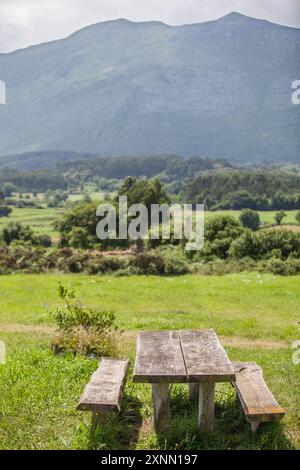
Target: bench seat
{"x":104,"y":392}
{"x":258,"y":402}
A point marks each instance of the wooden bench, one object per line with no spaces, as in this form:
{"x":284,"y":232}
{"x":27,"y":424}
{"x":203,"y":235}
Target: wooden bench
{"x":104,"y":392}
{"x":258,"y":402}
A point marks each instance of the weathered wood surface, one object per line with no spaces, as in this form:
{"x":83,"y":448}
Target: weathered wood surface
{"x":159,"y":358}
{"x":194,"y":392}
{"x":161,"y":406}
{"x":205,"y":358}
{"x":258,"y":402}
{"x":206,"y":407}
{"x":104,"y":391}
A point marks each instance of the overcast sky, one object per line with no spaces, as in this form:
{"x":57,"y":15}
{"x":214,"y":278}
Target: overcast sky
{"x":26,"y":22}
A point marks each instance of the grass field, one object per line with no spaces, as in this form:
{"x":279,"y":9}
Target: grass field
{"x":94,"y":195}
{"x":41,"y":220}
{"x":255,"y":315}
{"x":266,"y":217}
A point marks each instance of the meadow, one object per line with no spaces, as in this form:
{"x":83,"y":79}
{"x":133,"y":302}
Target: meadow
{"x":255,"y":315}
{"x":42,"y":220}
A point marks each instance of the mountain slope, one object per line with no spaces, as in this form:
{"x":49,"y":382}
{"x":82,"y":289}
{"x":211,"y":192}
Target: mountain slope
{"x":221,"y":89}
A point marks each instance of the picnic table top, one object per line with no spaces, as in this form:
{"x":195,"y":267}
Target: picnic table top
{"x":181,"y":356}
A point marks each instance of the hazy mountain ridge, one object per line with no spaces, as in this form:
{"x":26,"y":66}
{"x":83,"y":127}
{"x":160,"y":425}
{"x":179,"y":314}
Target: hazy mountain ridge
{"x":221,"y":89}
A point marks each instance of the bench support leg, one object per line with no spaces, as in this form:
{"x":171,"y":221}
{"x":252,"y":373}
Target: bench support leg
{"x":161,"y":405}
{"x":206,"y":407}
{"x":254,"y":426}
{"x":194,"y":392}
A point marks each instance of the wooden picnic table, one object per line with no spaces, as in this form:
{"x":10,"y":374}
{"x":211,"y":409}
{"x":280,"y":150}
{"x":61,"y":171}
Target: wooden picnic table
{"x":185,"y":356}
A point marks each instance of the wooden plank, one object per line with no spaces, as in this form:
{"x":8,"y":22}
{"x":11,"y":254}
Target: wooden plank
{"x":161,"y":406}
{"x":258,"y":402}
{"x":159,"y":358}
{"x":206,"y":407}
{"x":104,"y":391}
{"x":205,"y":358}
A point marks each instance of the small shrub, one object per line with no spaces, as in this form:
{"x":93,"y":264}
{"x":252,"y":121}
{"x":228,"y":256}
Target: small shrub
{"x":290,"y":267}
{"x":175,"y":265}
{"x":148,"y":263}
{"x":83,"y":330}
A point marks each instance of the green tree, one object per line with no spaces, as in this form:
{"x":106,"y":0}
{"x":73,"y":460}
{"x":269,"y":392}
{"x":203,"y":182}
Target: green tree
{"x":145,"y":192}
{"x":15,"y":231}
{"x":7,"y":189}
{"x":279,"y":216}
{"x":77,"y":228}
{"x":250,"y":219}
{"x":5,"y":211}
{"x":220,"y":231}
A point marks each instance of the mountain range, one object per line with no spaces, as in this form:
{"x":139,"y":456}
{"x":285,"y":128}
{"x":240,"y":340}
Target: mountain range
{"x":220,"y":89}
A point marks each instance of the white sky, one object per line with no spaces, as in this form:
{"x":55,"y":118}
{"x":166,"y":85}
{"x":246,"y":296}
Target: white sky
{"x":26,"y":22}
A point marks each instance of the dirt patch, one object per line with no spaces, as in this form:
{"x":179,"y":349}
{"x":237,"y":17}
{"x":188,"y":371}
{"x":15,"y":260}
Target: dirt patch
{"x":20,"y":328}
{"x":291,"y":227}
{"x":128,"y":338}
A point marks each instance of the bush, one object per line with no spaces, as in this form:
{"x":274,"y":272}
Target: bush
{"x":166,"y":263}
{"x":44,"y":240}
{"x":279,"y":216}
{"x":279,"y":267}
{"x":250,"y":219}
{"x":82,"y":329}
{"x":175,"y":265}
{"x":220,"y":231}
{"x":5,"y":211}
{"x":148,"y":263}
{"x":282,"y":243}
{"x":85,"y":341}
{"x":14,"y":231}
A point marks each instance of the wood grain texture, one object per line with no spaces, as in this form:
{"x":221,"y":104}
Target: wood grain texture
{"x":258,"y":402}
{"x":104,"y":391}
{"x":194,"y":392}
{"x":161,"y":406}
{"x":205,"y":358}
{"x":206,"y":407}
{"x":159,"y":358}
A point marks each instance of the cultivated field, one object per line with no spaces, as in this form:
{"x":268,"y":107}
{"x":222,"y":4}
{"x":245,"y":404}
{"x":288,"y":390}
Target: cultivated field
{"x":255,"y":315}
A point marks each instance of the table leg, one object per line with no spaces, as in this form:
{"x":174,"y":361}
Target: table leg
{"x":206,"y":407}
{"x":161,"y":406}
{"x":194,"y":392}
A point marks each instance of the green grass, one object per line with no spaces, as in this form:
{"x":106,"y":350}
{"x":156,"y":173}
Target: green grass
{"x":40,"y":392}
{"x":247,"y":305}
{"x":266,"y":217}
{"x":257,"y":315}
{"x":40,"y":220}
{"x":94,"y":195}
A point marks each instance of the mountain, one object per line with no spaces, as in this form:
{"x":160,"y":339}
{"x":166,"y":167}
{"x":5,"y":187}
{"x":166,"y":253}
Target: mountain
{"x":219,"y":89}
